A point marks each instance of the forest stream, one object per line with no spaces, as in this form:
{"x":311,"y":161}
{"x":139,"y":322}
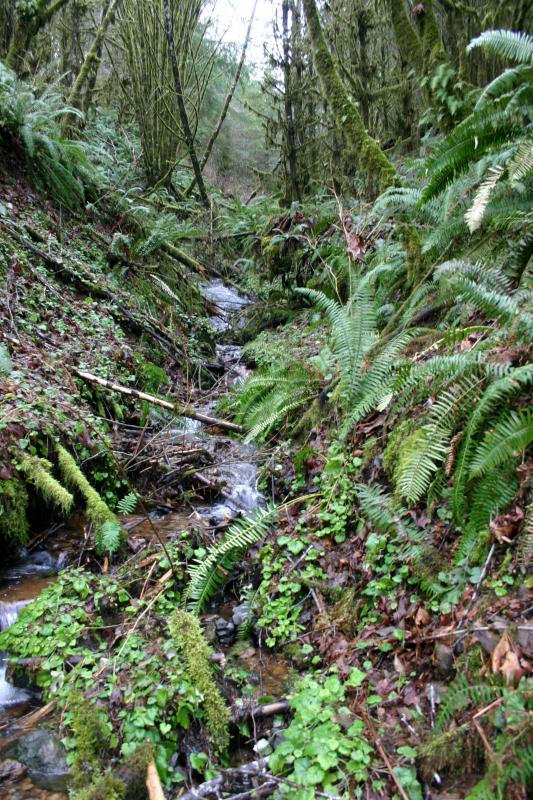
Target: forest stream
{"x":266,"y":420}
{"x":235,"y":467}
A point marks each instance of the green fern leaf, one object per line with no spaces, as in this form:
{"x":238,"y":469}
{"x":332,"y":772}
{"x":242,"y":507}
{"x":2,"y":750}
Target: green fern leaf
{"x":510,"y":435}
{"x":208,"y":576}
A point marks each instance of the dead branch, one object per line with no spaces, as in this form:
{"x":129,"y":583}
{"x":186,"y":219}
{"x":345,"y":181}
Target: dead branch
{"x":182,"y":411}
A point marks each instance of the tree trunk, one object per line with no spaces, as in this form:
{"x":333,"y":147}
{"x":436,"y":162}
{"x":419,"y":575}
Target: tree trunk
{"x":293,"y":189}
{"x":91,"y":60}
{"x":379,"y":172}
{"x":26,"y":27}
{"x":228,"y":100}
{"x":187,"y":132}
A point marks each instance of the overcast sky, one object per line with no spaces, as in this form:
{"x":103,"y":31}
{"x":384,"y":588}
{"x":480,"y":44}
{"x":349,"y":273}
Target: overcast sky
{"x":232,"y":16}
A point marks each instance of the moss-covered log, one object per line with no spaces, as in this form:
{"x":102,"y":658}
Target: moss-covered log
{"x":187,"y":633}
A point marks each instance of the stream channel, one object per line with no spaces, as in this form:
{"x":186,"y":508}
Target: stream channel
{"x":32,"y":766}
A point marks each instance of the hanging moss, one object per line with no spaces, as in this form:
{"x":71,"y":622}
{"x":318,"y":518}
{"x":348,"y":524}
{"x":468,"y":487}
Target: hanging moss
{"x":187,"y":633}
{"x":406,"y":36}
{"x":37,"y":472}
{"x":14,"y":525}
{"x":97,"y":510}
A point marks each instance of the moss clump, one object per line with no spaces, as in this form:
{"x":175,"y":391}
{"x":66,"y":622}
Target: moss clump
{"x":91,"y":731}
{"x":187,"y":633}
{"x":410,"y":239}
{"x":13,"y":512}
{"x":300,"y":459}
{"x":103,"y":787}
{"x":443,"y":752}
{"x":152,"y":377}
{"x":392,"y":451}
{"x":370,"y":449}
{"x":133,"y":769}
{"x":37,"y":472}
{"x":107,"y":526}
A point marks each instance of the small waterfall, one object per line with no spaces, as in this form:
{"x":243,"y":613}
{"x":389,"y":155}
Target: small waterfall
{"x":9,"y":612}
{"x":10,"y":695}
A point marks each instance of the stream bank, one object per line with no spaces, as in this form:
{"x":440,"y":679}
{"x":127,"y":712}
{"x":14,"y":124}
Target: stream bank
{"x":229,"y":471}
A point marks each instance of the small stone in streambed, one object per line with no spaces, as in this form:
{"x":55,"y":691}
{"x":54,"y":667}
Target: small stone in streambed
{"x":263,"y":748}
{"x":241,"y":614}
{"x":11,"y":770}
{"x":225,"y":631}
{"x":44,"y":755}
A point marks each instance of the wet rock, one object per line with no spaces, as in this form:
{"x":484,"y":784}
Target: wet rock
{"x":276,"y":739}
{"x":210,"y":632}
{"x":43,"y":754}
{"x":225,"y":631}
{"x":240,"y":614}
{"x":12,"y":771}
{"x":22,"y":673}
{"x":263,"y":748}
{"x":443,"y":659}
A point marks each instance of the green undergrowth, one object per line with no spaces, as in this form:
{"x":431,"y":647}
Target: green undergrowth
{"x":96,"y":637}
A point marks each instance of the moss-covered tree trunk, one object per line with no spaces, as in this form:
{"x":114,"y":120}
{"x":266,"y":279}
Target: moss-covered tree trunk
{"x":184,"y":117}
{"x":292,"y":189}
{"x":378,"y":171}
{"x":91,"y":59}
{"x":28,"y":22}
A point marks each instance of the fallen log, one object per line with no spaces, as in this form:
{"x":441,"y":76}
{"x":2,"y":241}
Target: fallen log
{"x":261,"y":711}
{"x":182,"y":411}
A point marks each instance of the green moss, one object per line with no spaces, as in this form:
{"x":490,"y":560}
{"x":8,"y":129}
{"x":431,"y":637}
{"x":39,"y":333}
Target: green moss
{"x":103,"y":787}
{"x":391,"y":454}
{"x":97,"y":511}
{"x":187,"y":633}
{"x":91,"y":731}
{"x":37,"y":472}
{"x":370,"y":449}
{"x":132,"y":771}
{"x":152,"y":377}
{"x":444,"y":752}
{"x":13,"y":512}
{"x":300,"y":458}
{"x":410,"y":239}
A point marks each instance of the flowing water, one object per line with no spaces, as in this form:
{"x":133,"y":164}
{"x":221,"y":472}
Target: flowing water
{"x":234,"y":468}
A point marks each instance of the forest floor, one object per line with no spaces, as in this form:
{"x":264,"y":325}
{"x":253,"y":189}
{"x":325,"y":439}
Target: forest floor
{"x":325,"y":604}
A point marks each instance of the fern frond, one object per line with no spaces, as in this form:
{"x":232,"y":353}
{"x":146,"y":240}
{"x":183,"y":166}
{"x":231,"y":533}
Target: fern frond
{"x":480,"y":133}
{"x":460,"y":695}
{"x":108,"y":538}
{"x":510,"y":435}
{"x":509,"y":45}
{"x":508,"y":80}
{"x":474,"y":215}
{"x":127,"y":504}
{"x":207,"y":577}
{"x":496,"y":393}
{"x":521,"y":164}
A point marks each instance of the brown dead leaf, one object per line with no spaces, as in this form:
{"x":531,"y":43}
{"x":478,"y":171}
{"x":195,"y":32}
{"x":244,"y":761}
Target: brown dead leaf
{"x":506,"y":661}
{"x":504,"y":527}
{"x":422,"y":617}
